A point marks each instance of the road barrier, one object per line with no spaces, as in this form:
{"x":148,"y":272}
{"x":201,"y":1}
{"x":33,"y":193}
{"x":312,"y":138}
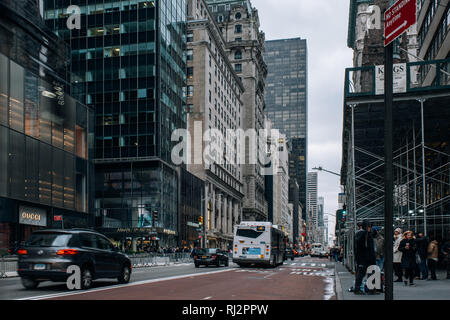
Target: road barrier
{"x":8,"y":266}
{"x":156,"y":259}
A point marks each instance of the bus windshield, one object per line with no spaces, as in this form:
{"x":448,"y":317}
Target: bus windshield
{"x":248,"y":233}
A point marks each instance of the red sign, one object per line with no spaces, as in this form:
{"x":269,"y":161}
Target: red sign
{"x":399,"y":17}
{"x":57,"y":218}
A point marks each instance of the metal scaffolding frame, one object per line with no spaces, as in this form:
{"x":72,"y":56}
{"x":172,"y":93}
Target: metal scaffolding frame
{"x":421,"y":186}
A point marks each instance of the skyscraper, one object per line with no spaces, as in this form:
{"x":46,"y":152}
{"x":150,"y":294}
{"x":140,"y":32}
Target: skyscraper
{"x":312,"y":212}
{"x":287,"y":102}
{"x":129,"y":65}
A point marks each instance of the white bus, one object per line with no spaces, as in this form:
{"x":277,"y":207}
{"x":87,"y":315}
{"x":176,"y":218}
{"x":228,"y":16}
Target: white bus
{"x":259,"y":243}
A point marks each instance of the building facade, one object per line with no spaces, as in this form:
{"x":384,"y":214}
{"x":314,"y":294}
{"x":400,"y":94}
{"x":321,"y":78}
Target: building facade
{"x":214,"y":99}
{"x":44,"y":132}
{"x":287,"y":101}
{"x":128,"y":64}
{"x":312,"y":215}
{"x":239,"y":24}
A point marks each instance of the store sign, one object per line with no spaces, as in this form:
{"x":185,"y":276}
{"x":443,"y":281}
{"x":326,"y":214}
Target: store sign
{"x":32,"y":216}
{"x":399,"y":78}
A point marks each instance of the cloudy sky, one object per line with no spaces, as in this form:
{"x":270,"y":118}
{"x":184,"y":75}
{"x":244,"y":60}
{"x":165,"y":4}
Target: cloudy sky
{"x":324,"y":24}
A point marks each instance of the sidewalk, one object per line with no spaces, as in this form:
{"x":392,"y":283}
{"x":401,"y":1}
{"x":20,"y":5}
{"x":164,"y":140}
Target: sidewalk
{"x":423,"y":290}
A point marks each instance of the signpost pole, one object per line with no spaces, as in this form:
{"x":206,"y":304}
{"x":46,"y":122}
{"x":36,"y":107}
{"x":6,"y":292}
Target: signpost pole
{"x":388,"y":178}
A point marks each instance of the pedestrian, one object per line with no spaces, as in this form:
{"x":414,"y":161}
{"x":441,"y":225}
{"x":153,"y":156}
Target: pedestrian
{"x":433,"y":253}
{"x":379,"y":248}
{"x":364,"y":254}
{"x":398,"y":237}
{"x":408,"y":247}
{"x":446,"y":252}
{"x":422,"y":255}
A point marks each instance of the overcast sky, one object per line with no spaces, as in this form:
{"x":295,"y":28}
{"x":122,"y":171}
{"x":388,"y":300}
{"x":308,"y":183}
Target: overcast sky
{"x":323,"y":23}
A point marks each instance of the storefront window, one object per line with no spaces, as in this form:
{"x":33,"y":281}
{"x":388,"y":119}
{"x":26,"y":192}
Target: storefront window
{"x":3,"y":160}
{"x":16,"y":164}
{"x":3,"y":89}
{"x":31,"y":105}
{"x":16,"y":98}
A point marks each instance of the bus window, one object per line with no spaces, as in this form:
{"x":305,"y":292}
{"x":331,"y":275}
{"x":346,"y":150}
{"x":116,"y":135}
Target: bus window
{"x":248,"y":233}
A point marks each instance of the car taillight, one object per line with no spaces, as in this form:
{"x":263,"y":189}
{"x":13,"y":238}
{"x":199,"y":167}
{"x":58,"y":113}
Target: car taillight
{"x":195,"y":257}
{"x":66,"y":252}
{"x":22,"y":251}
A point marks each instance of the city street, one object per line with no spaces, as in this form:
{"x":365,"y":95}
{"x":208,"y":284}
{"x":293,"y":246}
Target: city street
{"x":301,"y":279}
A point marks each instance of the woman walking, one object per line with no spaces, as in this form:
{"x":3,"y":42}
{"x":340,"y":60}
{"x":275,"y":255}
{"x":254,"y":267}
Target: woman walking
{"x":398,"y":255}
{"x":433,"y":252}
{"x":408,"y":247}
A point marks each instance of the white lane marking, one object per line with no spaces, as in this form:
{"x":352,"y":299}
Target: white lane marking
{"x":65,"y":294}
{"x":206,"y":298}
{"x":329,"y":289}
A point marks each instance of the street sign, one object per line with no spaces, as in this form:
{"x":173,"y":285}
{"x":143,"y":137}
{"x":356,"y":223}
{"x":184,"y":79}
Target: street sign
{"x":398,"y":18}
{"x":57,"y":218}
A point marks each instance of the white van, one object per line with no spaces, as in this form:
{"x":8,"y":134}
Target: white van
{"x":317,"y":250}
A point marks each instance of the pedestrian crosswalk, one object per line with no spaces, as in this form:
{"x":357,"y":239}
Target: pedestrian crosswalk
{"x":303,"y":264}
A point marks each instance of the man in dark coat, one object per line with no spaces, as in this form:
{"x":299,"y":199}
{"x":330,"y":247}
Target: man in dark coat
{"x":364,"y":253}
{"x":422,"y":250}
{"x":409,"y":248}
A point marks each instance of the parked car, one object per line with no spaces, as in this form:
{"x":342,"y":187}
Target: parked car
{"x":288,"y":254}
{"x":210,"y":256}
{"x":47,"y":254}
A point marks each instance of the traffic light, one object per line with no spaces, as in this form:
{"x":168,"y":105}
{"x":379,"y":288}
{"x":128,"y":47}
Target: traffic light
{"x":155,"y":216}
{"x":200,"y":220}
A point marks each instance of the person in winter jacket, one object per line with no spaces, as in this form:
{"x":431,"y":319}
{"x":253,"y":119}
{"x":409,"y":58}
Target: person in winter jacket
{"x":364,"y":253}
{"x":408,"y":247}
{"x":379,"y":248}
{"x":422,"y":246}
{"x":433,"y":254}
{"x":398,"y":237}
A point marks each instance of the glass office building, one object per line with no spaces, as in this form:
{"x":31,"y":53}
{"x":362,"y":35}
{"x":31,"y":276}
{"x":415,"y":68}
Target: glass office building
{"x":44,"y":155}
{"x":287,"y":101}
{"x":128,"y":64}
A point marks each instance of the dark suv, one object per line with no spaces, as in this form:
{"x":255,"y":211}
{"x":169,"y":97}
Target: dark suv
{"x":210,"y":256}
{"x":47,"y":254}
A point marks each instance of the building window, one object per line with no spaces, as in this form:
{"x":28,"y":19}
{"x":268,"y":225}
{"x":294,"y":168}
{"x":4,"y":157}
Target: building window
{"x":190,"y":91}
{"x":190,"y":36}
{"x":238,"y":28}
{"x":190,"y":72}
{"x":238,"y":39}
{"x":238,"y":67}
{"x":238,"y":55}
{"x":189,"y":54}
{"x":238,"y":15}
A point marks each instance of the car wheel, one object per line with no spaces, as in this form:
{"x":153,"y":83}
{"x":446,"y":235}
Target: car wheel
{"x":125,"y":274}
{"x":29,"y":283}
{"x":226,"y":263}
{"x":86,"y":278}
{"x":197,"y":265}
{"x":292,"y":258}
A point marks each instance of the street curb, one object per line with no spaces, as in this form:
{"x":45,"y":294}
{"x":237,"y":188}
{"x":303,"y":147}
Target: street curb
{"x":339,"y":293}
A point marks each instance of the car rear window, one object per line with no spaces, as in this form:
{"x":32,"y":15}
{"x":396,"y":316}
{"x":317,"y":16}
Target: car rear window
{"x":207,"y":251}
{"x":48,"y":240}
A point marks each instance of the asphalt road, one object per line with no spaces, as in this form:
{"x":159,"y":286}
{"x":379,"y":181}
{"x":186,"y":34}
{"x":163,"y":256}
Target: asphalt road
{"x":302,"y":279}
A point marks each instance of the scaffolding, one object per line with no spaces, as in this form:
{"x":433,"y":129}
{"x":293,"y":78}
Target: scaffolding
{"x":421,"y":161}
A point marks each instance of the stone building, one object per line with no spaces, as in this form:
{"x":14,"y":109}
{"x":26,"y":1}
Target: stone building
{"x":214,"y":99}
{"x":239,"y":24}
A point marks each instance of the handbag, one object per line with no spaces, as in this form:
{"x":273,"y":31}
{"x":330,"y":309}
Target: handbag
{"x":418,"y":259}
